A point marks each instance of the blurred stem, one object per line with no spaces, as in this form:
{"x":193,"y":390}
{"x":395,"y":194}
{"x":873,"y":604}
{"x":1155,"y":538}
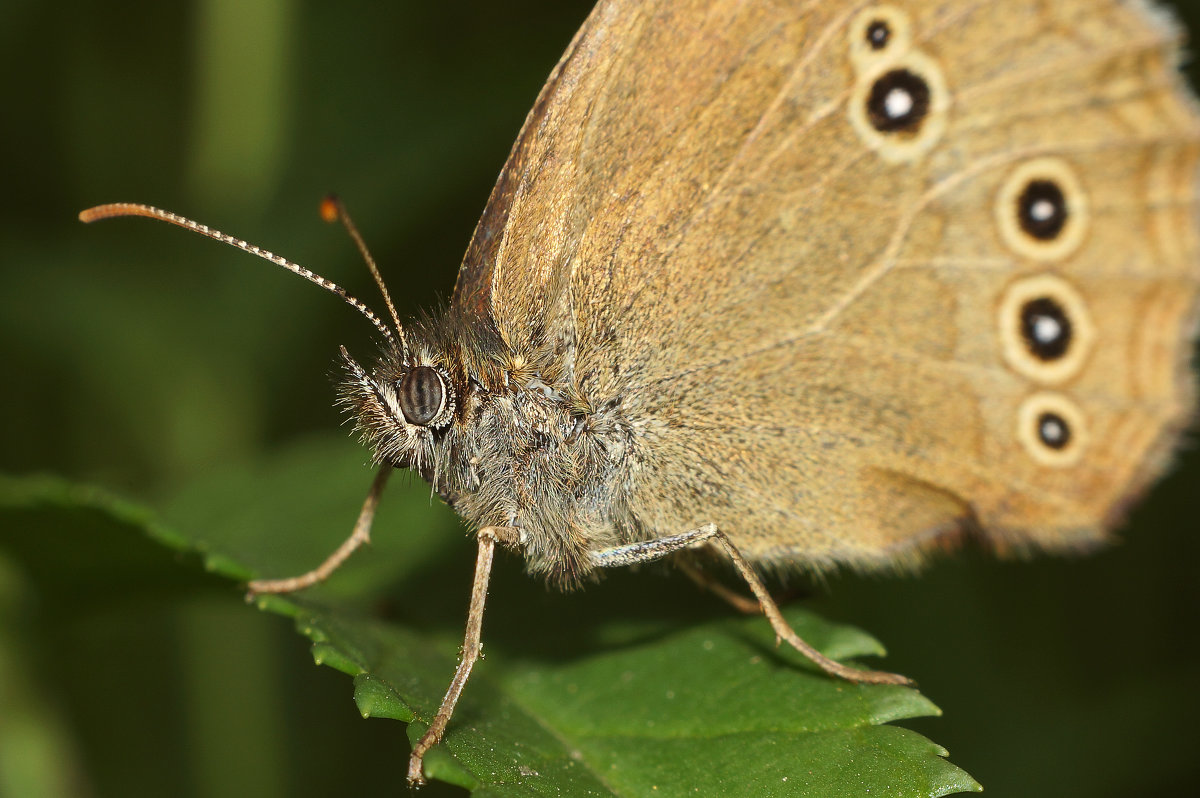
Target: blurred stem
{"x":234,"y":704}
{"x":242,"y":100}
{"x":38,"y":758}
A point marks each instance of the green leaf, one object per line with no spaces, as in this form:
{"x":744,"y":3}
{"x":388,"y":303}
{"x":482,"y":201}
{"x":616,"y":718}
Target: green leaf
{"x":90,"y":539}
{"x":633,"y":687}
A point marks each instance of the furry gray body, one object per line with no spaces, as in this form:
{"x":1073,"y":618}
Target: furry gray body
{"x":515,"y":452}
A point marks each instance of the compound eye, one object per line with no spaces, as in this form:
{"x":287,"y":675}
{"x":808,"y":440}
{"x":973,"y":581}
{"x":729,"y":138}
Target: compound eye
{"x":422,"y":393}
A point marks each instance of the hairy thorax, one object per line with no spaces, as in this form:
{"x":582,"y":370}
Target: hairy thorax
{"x":531,"y":459}
{"x":502,"y":437}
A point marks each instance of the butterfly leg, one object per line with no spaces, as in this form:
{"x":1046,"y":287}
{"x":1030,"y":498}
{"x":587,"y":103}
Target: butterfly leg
{"x":487,"y":537}
{"x":742,"y":604}
{"x":646,"y":551}
{"x":360,"y":535}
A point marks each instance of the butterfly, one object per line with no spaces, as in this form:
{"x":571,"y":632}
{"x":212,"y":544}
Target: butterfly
{"x":813,"y":285}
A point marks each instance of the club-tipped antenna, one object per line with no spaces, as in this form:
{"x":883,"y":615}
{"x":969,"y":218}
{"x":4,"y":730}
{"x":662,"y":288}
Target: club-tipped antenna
{"x":332,"y":210}
{"x":136,"y":209}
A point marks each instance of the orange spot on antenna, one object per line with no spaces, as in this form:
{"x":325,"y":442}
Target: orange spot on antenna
{"x":331,"y":208}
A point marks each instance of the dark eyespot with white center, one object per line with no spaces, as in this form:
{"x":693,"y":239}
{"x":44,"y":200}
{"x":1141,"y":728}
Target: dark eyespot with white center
{"x":423,"y":395}
{"x":1046,"y":328}
{"x":899,"y":105}
{"x":878,"y":34}
{"x":1053,"y":430}
{"x":898,"y":102}
{"x":879,"y":37}
{"x":1042,"y":210}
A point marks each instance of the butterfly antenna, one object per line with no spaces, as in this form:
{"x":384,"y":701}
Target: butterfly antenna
{"x":332,"y":210}
{"x":135,"y":209}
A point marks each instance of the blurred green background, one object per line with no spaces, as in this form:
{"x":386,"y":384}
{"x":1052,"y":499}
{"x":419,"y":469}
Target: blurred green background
{"x":141,"y":358}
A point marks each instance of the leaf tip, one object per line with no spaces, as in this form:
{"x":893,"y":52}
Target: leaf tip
{"x":375,"y":699}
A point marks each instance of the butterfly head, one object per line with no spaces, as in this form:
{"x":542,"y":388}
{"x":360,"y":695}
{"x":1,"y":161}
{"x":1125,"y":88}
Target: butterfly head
{"x":406,"y":405}
{"x":402,"y":407}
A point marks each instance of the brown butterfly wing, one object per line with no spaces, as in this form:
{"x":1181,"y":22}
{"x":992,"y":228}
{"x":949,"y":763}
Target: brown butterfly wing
{"x":521,"y":243}
{"x":818,"y":326}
